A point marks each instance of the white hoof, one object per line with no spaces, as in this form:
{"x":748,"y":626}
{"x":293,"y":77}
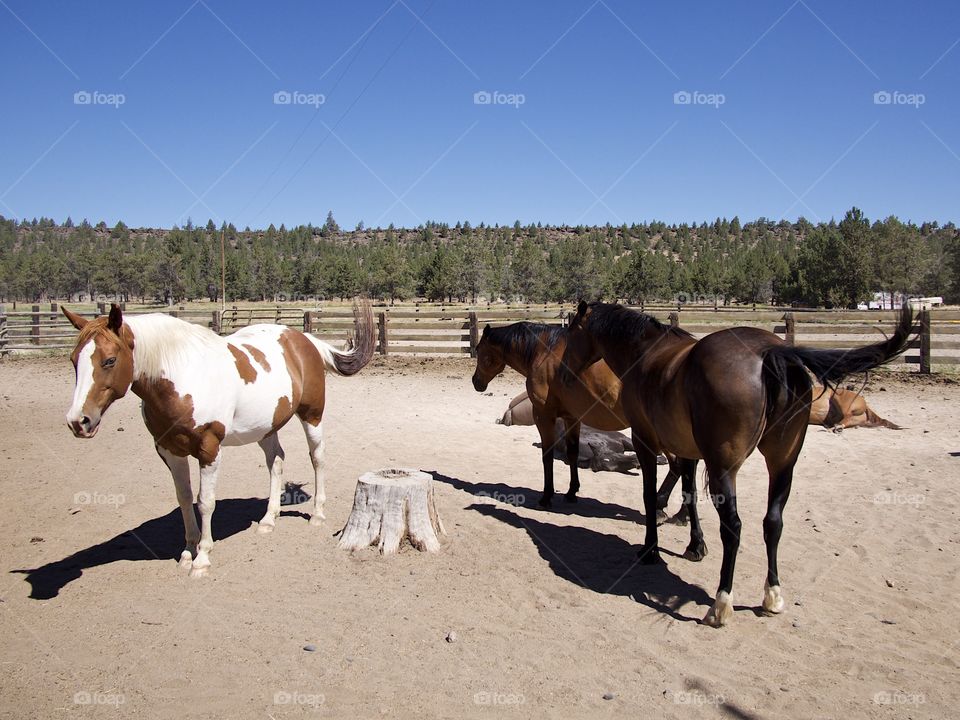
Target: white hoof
{"x":264,"y":528}
{"x":186,"y":560}
{"x":199,"y":572}
{"x":317,"y":519}
{"x":721,"y":612}
{"x":772,"y":599}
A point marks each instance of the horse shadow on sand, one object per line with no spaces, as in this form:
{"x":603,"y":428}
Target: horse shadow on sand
{"x":600,"y":562}
{"x":525,"y":497}
{"x":158,"y":539}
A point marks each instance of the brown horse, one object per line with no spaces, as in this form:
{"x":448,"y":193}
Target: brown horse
{"x":719,"y":399}
{"x":536,"y":351}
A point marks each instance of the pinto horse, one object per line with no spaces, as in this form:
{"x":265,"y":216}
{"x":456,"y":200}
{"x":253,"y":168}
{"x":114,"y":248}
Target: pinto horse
{"x":536,"y":351}
{"x":719,"y":399}
{"x":201,"y":391}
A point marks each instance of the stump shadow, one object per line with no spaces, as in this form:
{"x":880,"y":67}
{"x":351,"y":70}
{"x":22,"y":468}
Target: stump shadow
{"x":158,"y":539}
{"x":525,"y":497}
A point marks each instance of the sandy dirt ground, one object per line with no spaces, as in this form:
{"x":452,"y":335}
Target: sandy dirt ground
{"x":551,"y":616}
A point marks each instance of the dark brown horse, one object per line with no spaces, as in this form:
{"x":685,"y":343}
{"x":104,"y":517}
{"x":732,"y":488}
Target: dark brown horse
{"x":593,"y":398}
{"x":718,"y":399}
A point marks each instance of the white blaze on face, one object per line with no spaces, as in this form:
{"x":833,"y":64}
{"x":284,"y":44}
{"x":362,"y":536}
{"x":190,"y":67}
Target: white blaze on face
{"x":84,"y":382}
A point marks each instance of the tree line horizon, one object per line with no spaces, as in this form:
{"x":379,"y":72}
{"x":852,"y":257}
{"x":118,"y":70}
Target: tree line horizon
{"x":827,"y":264}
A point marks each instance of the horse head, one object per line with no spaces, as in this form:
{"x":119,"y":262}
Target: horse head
{"x":490,"y":361}
{"x":103,"y":360}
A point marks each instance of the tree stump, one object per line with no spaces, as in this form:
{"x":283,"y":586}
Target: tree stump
{"x":392,"y":505}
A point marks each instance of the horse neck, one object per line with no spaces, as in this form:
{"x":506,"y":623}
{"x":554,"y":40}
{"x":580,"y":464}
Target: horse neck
{"x":621,"y":353}
{"x":166,"y":349}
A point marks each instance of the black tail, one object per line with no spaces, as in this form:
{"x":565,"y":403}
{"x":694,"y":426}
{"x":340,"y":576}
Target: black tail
{"x":830,"y":367}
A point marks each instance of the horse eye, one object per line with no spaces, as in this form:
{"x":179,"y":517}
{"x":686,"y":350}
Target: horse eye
{"x":109,"y":362}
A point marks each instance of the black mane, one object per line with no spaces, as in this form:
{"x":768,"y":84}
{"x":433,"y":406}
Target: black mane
{"x":526,"y":338}
{"x":616,"y":320}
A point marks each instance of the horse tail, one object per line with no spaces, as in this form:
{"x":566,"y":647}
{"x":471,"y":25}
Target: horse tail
{"x":830,"y":367}
{"x":360,"y":347}
{"x":874,"y":420}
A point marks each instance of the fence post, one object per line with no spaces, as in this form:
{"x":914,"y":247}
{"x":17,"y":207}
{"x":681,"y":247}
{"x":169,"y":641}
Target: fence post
{"x":3,"y":330}
{"x":215,"y":321}
{"x":925,"y":341}
{"x":791,"y":328}
{"x":101,"y":308}
{"x":674,"y":319}
{"x":474,"y":334}
{"x":35,"y":325}
{"x":382,"y":332}
{"x":53,"y":312}
{"x":307,"y":322}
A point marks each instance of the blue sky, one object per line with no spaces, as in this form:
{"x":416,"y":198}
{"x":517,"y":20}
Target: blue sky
{"x":584,"y":124}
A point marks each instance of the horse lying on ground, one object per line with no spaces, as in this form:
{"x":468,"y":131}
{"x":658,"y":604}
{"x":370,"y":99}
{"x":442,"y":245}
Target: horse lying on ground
{"x":201,"y":391}
{"x":592,"y":398}
{"x":840,"y":408}
{"x":719,"y":399}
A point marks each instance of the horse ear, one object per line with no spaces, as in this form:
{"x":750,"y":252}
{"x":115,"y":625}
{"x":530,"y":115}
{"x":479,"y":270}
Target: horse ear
{"x":115,"y":320}
{"x":78,"y":322}
{"x":582,"y":308}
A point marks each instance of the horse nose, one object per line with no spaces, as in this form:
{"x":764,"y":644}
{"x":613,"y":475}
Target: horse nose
{"x":478,"y":384}
{"x":85,"y":423}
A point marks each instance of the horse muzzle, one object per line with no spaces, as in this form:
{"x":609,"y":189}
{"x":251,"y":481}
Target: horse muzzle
{"x":84,"y":427}
{"x":478,"y":384}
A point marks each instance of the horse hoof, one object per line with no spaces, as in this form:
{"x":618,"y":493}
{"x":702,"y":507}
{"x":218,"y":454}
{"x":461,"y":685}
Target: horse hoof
{"x":199,"y":572}
{"x":570,"y":497}
{"x":545,"y":503}
{"x":681,"y":519}
{"x":661,"y":516}
{"x":316,"y":520}
{"x":186,"y":560}
{"x":649,"y":556}
{"x":695,"y":553}
{"x":264,"y":529}
{"x":772,"y":599}
{"x":721,"y":612}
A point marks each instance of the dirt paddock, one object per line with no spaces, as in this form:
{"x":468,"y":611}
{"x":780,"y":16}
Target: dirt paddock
{"x":550,"y":615}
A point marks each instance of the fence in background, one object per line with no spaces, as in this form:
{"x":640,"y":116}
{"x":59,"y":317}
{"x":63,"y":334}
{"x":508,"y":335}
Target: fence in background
{"x":456,"y":329}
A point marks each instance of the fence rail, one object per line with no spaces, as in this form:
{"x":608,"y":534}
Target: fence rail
{"x":432,"y":329}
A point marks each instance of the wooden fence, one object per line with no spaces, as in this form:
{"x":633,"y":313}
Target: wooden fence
{"x":432,"y":329}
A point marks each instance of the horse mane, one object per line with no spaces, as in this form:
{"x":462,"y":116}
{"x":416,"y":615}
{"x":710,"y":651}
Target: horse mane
{"x":163,"y":343}
{"x":527,"y":338}
{"x":608,"y":319}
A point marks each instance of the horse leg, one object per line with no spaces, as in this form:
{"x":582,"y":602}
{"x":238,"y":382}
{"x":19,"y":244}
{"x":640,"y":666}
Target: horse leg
{"x":649,"y":554}
{"x":723,"y":493}
{"x":206,"y":502}
{"x":547,"y":429}
{"x":274,"y":456}
{"x":697,"y":549}
{"x":317,"y":445}
{"x":179,"y":467}
{"x":780,"y":450}
{"x":572,"y":437}
{"x":666,"y":489}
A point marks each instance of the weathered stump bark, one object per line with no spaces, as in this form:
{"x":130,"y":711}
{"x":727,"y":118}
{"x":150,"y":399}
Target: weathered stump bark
{"x":391,"y":506}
